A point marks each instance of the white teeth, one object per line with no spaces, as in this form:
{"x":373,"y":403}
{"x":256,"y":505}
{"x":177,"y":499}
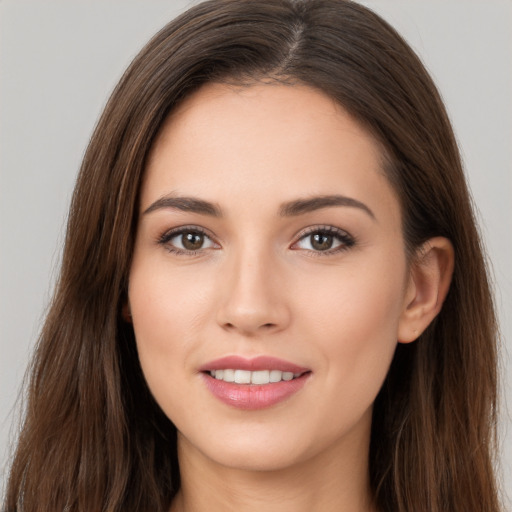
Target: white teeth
{"x":242,"y":376}
{"x":261,"y":377}
{"x":276,"y":375}
{"x":228,"y":375}
{"x":258,"y":377}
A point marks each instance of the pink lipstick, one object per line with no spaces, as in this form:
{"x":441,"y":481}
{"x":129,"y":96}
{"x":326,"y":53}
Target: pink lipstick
{"x":255,"y":383}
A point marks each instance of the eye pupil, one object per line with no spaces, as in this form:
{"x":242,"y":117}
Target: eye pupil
{"x":321,"y":241}
{"x":192,"y":241}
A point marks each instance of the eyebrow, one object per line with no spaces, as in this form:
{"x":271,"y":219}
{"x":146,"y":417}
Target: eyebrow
{"x":288,"y":209}
{"x":185,"y":204}
{"x":301,"y":206}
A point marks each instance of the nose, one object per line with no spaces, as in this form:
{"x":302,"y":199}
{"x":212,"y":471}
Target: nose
{"x":253,"y":299}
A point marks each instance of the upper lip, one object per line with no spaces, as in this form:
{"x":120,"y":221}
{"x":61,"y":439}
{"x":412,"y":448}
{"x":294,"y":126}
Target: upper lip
{"x":252,"y":364}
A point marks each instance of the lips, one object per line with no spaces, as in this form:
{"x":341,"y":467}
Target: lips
{"x":255,"y":383}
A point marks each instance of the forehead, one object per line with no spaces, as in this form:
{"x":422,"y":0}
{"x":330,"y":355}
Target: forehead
{"x":256,"y":114}
{"x":264,"y":142}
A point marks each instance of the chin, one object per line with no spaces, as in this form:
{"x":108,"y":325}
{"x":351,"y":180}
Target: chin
{"x":256,"y":458}
{"x":251,"y":451}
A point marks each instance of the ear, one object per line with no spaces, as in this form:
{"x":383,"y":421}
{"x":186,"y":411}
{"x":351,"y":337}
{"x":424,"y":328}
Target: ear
{"x":429,"y":281}
{"x":126,"y":312}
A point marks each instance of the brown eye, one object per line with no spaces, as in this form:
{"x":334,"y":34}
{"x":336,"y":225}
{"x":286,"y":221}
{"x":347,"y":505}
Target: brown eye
{"x":192,"y":241}
{"x":327,"y":240}
{"x":187,"y":241}
{"x":321,"y":241}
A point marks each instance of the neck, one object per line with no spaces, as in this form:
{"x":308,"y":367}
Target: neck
{"x":335,"y":480}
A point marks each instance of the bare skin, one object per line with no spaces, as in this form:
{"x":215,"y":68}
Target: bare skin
{"x":267,"y":227}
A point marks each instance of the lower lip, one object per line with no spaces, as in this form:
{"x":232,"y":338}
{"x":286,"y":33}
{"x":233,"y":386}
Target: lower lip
{"x":254,"y":396}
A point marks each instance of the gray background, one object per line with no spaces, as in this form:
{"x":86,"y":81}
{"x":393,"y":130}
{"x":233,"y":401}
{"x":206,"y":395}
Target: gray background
{"x":60,"y":59}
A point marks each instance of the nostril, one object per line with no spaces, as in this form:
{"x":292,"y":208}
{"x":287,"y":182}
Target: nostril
{"x":229,"y":326}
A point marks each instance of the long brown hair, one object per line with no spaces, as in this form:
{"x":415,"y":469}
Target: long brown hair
{"x":94,"y":439}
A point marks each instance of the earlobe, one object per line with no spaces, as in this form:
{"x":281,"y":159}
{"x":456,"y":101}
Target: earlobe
{"x":429,"y":282}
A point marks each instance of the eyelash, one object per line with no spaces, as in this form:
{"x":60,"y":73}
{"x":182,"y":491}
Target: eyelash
{"x":166,"y":237}
{"x":346,"y":241}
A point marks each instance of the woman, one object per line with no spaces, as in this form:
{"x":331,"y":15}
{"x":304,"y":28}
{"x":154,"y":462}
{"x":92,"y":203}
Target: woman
{"x":272,"y":293}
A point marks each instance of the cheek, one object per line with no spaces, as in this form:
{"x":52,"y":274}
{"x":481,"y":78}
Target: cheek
{"x":172,"y":310}
{"x":166,"y":311}
{"x":354,"y":317}
{"x":167,"y":305}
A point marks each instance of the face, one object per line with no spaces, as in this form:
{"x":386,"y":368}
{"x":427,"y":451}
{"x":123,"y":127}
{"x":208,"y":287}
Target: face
{"x":269,"y":248}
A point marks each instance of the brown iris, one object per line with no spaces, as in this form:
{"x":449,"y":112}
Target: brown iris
{"x":321,"y":241}
{"x":192,"y":241}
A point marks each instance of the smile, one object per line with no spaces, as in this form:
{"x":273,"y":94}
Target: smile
{"x":252,"y":384}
